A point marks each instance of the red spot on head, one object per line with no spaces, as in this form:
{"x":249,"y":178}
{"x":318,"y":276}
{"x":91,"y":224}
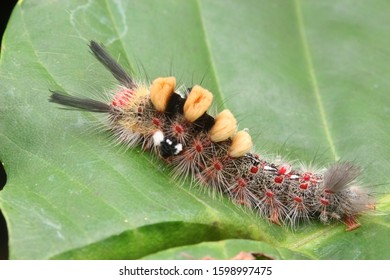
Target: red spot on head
{"x":269,"y":194}
{"x":298,"y":199}
{"x":328,"y":191}
{"x":324,"y":201}
{"x":278,"y":179}
{"x":306,"y":177}
{"x":139,"y":109}
{"x":254,"y":169}
{"x":218,"y":165}
{"x":304,"y":186}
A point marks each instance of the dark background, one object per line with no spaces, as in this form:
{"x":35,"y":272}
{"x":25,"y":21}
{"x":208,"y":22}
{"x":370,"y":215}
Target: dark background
{"x":6,"y":7}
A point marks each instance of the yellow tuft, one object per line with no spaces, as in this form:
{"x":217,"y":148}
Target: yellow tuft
{"x":224,"y":127}
{"x":160,"y":92}
{"x":241,"y":144}
{"x":141,"y":92}
{"x":197,"y":103}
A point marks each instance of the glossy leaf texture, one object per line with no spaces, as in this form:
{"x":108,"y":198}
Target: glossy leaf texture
{"x":308,"y":78}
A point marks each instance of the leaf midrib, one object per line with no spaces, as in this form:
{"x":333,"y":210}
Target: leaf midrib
{"x":313,"y":78}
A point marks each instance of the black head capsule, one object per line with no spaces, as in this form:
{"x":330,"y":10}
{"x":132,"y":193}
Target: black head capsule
{"x":168,"y":147}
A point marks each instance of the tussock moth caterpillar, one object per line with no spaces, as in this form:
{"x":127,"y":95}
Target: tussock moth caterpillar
{"x":177,"y":127}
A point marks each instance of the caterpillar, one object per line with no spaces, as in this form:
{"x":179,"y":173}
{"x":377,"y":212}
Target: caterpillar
{"x":178,"y":129}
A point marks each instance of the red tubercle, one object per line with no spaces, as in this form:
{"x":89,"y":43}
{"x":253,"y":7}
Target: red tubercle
{"x":254,"y":169}
{"x":306,"y":176}
{"x":269,"y":194}
{"x":140,"y":109}
{"x":218,"y":165}
{"x":241,"y":182}
{"x":178,"y":128}
{"x":284,"y":169}
{"x":156,"y":122}
{"x":303,"y":186}
{"x":298,"y":199}
{"x":324,"y":201}
{"x":198,"y":147}
{"x":278,"y":179}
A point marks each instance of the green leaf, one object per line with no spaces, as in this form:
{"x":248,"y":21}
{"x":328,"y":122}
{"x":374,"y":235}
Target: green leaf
{"x":226,"y":249}
{"x":306,"y":77}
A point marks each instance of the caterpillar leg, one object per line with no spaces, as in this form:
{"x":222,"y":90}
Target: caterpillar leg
{"x":351,"y":223}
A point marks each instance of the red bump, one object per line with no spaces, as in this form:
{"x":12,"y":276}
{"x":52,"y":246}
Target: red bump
{"x":282,"y":170}
{"x":306,"y":177}
{"x":254,"y":169}
{"x":278,"y":179}
{"x":156,"y":121}
{"x":198,"y":147}
{"x":178,"y":128}
{"x":241,"y":182}
{"x":324,"y":201}
{"x":140,"y":109}
{"x":218,"y":166}
{"x":328,"y":191}
{"x":269,"y":194}
{"x":298,"y":199}
{"x":304,"y":186}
